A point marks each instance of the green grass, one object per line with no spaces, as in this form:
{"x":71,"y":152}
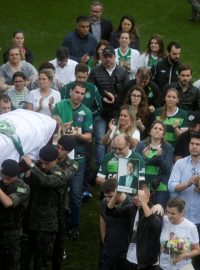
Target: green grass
{"x":46,"y":22}
{"x":83,"y":253}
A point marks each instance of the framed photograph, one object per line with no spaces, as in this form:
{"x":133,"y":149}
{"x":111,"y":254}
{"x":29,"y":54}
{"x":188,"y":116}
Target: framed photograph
{"x":128,"y":175}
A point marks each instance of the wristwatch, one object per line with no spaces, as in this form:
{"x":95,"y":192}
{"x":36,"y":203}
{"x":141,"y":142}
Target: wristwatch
{"x":32,"y":165}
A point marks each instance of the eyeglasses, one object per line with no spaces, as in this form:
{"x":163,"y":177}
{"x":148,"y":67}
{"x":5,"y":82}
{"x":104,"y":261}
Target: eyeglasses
{"x":119,"y":149}
{"x":136,"y":96}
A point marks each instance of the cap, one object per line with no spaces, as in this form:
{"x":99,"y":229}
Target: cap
{"x":10,"y":168}
{"x":109,"y":50}
{"x":67,"y":142}
{"x":193,"y":119}
{"x":48,"y":153}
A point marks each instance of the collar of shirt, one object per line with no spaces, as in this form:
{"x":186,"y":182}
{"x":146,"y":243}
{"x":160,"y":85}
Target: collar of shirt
{"x":96,"y":22}
{"x":110,"y":71}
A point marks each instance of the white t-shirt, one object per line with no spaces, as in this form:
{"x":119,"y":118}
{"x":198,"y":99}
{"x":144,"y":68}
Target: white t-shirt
{"x":35,"y":96}
{"x":67,"y":73}
{"x":178,"y":237}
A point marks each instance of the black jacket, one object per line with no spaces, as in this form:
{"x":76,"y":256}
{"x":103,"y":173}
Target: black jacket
{"x":147,"y":236}
{"x":189,"y":100}
{"x":104,"y":82}
{"x":106,"y":28}
{"x":165,"y":72}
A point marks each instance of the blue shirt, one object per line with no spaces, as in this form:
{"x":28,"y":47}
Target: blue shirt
{"x":79,"y":46}
{"x":181,"y":172}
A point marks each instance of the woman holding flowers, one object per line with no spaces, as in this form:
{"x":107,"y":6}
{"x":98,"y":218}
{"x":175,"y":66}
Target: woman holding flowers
{"x":179,"y":238}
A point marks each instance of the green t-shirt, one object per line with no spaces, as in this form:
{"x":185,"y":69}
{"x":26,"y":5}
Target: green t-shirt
{"x":92,"y":97}
{"x":180,"y":116}
{"x":152,"y":171}
{"x":81,"y":117}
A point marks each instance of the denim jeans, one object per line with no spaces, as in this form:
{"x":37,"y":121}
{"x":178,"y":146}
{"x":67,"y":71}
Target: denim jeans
{"x":76,"y":192}
{"x":99,"y":131}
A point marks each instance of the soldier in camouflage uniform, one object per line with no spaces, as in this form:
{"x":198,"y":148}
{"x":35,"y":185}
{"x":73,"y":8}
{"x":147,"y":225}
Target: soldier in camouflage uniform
{"x":14,"y":194}
{"x":69,"y":167}
{"x":46,"y":186}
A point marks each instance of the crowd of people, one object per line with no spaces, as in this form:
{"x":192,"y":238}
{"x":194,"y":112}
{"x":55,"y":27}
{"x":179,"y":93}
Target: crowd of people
{"x":126,"y":120}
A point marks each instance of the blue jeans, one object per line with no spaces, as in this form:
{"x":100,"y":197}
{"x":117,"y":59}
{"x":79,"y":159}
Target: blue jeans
{"x":76,"y":192}
{"x":99,"y":131}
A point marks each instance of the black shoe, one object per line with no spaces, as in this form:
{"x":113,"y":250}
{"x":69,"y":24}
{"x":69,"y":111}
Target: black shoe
{"x":74,"y":233}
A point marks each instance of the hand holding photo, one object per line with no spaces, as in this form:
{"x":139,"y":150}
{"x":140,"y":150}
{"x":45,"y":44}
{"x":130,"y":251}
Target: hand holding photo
{"x":128,"y":175}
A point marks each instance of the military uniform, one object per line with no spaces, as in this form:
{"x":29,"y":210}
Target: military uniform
{"x":11,"y":223}
{"x":42,"y":220}
{"x":69,"y":168}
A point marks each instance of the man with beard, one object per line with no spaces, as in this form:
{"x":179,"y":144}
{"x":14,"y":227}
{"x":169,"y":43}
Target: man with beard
{"x":182,"y":146}
{"x":165,"y":71}
{"x":143,"y":78}
{"x":184,"y":182}
{"x":189,"y":94}
{"x":101,"y":28}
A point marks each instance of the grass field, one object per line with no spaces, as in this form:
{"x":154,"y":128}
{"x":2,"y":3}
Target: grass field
{"x":46,"y":22}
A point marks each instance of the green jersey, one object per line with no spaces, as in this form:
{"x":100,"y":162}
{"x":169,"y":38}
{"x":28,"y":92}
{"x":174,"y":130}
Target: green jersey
{"x":178,"y":117}
{"x":152,"y":171}
{"x":92,"y":97}
{"x":81,"y":117}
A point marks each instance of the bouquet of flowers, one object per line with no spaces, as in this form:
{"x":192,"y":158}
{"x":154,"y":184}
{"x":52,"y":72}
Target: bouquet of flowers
{"x":177,"y":246}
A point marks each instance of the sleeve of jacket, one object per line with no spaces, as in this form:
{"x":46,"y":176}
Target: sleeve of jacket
{"x":21,"y":195}
{"x":119,"y":211}
{"x":98,"y":107}
{"x":57,"y":179}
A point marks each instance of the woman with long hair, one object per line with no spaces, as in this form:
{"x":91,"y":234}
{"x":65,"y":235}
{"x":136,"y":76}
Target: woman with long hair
{"x":155,"y":51}
{"x":158,"y":157}
{"x":172,"y":116}
{"x":18,"y":41}
{"x":97,"y":58}
{"x":136,"y":97}
{"x":126,"y":56}
{"x":127,"y":24}
{"x":126,"y":124}
{"x":44,"y":98}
